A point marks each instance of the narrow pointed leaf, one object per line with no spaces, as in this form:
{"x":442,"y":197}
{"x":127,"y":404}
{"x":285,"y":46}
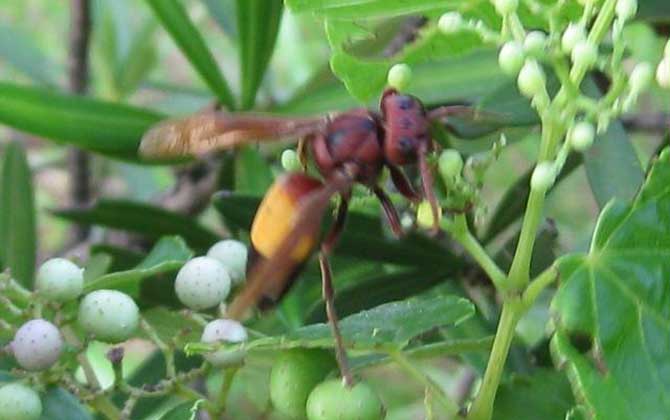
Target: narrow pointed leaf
{"x":257,"y":26}
{"x":18,"y":241}
{"x":111,"y":129}
{"x":176,"y":21}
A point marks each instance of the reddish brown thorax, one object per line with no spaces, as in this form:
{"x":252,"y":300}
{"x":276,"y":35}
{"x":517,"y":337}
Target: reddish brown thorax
{"x":406,"y":127}
{"x":351,"y":137}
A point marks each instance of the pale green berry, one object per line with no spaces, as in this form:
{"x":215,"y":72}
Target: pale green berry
{"x":581,"y":136}
{"x":585,"y":54}
{"x":543,"y":176}
{"x":233,"y":255}
{"x":424,"y":214}
{"x":505,"y":7}
{"x":625,"y":9}
{"x":399,"y":76}
{"x":224,"y":331}
{"x":37,"y":345}
{"x":202,"y":283}
{"x":59,"y":279}
{"x":290,"y":161}
{"x":535,"y":42}
{"x":641,"y":77}
{"x":663,"y":73}
{"x":450,"y":165}
{"x":450,"y":22}
{"x":511,"y":58}
{"x":573,"y":34}
{"x":109,"y":315}
{"x":18,"y":402}
{"x":531,"y":80}
{"x":332,"y":400}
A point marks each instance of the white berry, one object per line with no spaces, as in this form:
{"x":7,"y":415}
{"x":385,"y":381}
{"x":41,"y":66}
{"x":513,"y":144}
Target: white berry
{"x":505,"y":6}
{"x":18,"y":402}
{"x":626,"y":9}
{"x":233,"y":255}
{"x":202,"y":283}
{"x":573,"y":34}
{"x":531,"y":79}
{"x":60,"y":279}
{"x":290,"y":161}
{"x":224,"y":331}
{"x":511,"y":58}
{"x":37,"y":345}
{"x":109,"y":315}
{"x":399,"y":76}
{"x":585,"y":53}
{"x":641,"y":77}
{"x":534,"y":43}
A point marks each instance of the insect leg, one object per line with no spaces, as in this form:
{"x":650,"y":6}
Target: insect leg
{"x":389,"y":210}
{"x":402,"y":184}
{"x":329,"y":294}
{"x":428,"y":192}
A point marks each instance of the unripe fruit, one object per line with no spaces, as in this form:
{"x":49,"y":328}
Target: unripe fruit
{"x":290,"y":161}
{"x":18,"y":402}
{"x":202,"y":283}
{"x":331,"y":400}
{"x":543,"y":176}
{"x":450,"y":22}
{"x":109,"y":315}
{"x":640,"y":77}
{"x":399,"y":76}
{"x":505,"y":6}
{"x":625,"y":9}
{"x":59,"y":279}
{"x":573,"y":34}
{"x":666,"y":50}
{"x":224,"y":331}
{"x":450,"y":164}
{"x":585,"y":53}
{"x":581,"y":136}
{"x":294,"y":374}
{"x":424,"y":214}
{"x":535,"y":43}
{"x":663,"y":73}
{"x":531,"y":80}
{"x":511,"y":58}
{"x":37,"y":345}
{"x":233,"y":255}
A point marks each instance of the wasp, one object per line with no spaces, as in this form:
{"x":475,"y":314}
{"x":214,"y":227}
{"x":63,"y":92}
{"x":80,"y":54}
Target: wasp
{"x":347,"y":148}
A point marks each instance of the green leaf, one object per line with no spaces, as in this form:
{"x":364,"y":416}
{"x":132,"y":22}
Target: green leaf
{"x":145,"y":219}
{"x":168,"y":255}
{"x":257,"y":26}
{"x":361,"y":9}
{"x":184,"y":411}
{"x":175,"y":20}
{"x":386,"y":327}
{"x":612,"y":166}
{"x":614,"y":303}
{"x":252,"y":172}
{"x":18,"y":242}
{"x":104,"y":127}
{"x":363,"y":236}
{"x":142,"y":57}
{"x":19,"y":50}
{"x":59,"y":404}
{"x":543,"y":395}
{"x":172,"y":326}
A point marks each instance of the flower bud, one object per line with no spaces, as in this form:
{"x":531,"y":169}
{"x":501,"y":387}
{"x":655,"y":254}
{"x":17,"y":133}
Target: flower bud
{"x":399,"y":76}
{"x":511,"y":58}
{"x":290,"y":161}
{"x":505,"y":7}
{"x":424,"y":215}
{"x":450,"y":164}
{"x":663,"y":73}
{"x":531,"y":80}
{"x":543,"y":176}
{"x":573,"y":34}
{"x":640,"y":77}
{"x":581,"y":136}
{"x":535,"y":43}
{"x":626,"y":9}
{"x":450,"y":22}
{"x":585,"y":53}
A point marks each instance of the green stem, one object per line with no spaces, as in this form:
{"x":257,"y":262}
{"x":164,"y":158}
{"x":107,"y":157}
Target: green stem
{"x":482,"y":408}
{"x":451,"y":409}
{"x":462,"y":234}
{"x":540,"y":283}
{"x":106,"y":407}
{"x":168,"y":351}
